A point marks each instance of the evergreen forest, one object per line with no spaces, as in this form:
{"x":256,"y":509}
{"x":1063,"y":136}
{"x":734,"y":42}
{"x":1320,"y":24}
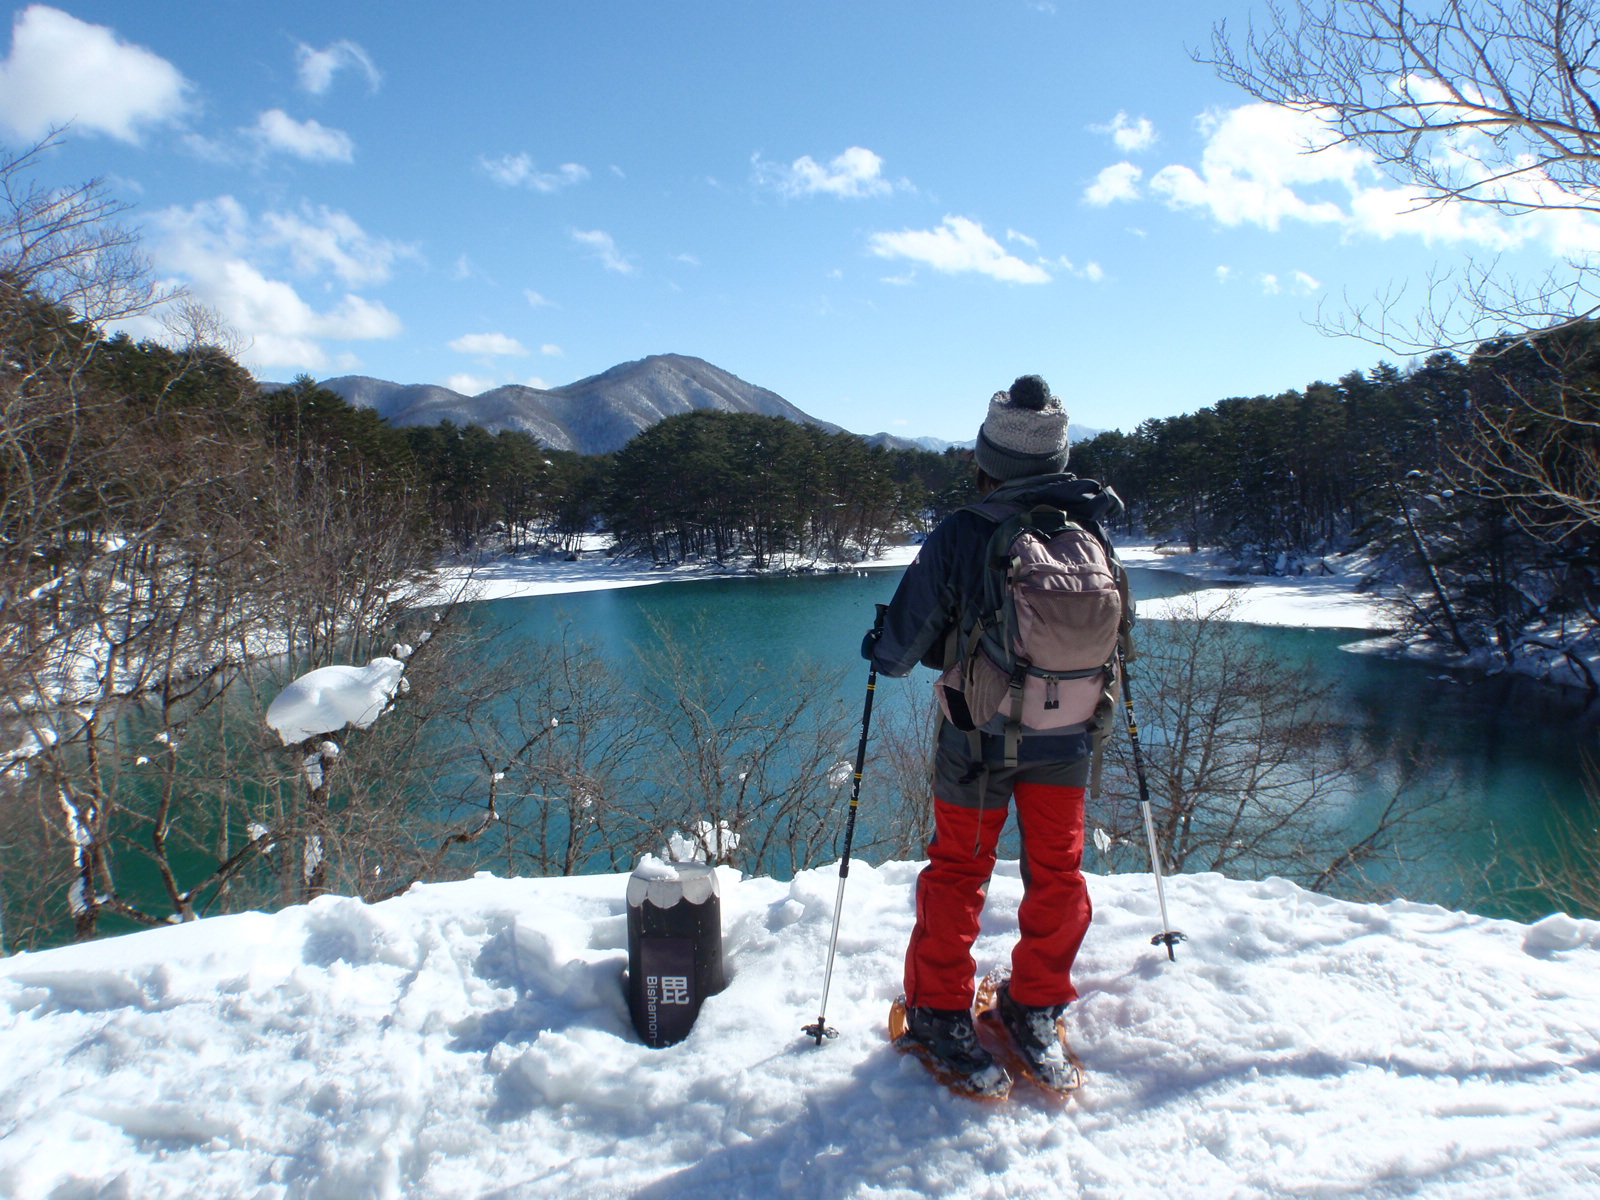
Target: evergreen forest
{"x":1472,"y":483}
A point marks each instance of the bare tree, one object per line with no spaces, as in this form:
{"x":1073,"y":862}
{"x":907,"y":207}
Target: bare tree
{"x":1567,"y":871}
{"x":68,"y":244}
{"x":900,"y":771}
{"x":1493,"y":105}
{"x":1249,"y":771}
{"x":561,"y":737}
{"x":750,"y":755}
{"x":155,"y":551}
{"x":1490,"y":103}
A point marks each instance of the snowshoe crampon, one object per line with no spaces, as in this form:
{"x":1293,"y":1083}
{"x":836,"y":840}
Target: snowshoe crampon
{"x":991,"y":1083}
{"x":1061,"y":1082}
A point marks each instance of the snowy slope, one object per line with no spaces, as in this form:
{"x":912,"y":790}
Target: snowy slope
{"x":470,"y":1040}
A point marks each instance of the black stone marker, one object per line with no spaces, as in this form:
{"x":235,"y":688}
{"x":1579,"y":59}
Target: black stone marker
{"x":674,"y":947}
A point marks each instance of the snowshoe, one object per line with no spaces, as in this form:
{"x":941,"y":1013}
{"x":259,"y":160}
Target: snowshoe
{"x":1032,"y":1042}
{"x":948,"y":1046}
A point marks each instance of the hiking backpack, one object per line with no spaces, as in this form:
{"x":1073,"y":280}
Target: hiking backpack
{"x":1053,"y":614}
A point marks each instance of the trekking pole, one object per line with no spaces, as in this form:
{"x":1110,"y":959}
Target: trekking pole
{"x":1168,"y":936}
{"x":820,"y":1029}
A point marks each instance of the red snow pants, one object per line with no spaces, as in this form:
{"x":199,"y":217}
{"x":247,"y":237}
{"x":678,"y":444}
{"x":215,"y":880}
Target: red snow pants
{"x":1055,"y":910}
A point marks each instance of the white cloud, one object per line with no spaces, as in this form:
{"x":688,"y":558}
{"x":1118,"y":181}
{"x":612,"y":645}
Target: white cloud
{"x":1091,"y":271}
{"x":535,"y":300}
{"x":534,"y":381}
{"x":469,"y":385}
{"x":312,"y":241}
{"x":687,"y":259}
{"x":1304,"y":284}
{"x":320,"y":239}
{"x":283,"y":329}
{"x":318,"y":67}
{"x":1117,"y":182}
{"x":490,"y":345}
{"x":310,"y":140}
{"x":1013,"y":236}
{"x":215,"y":150}
{"x":551,"y":350}
{"x":957,"y":246}
{"x":1224,"y":274}
{"x":1254,"y":171}
{"x":605,"y":248}
{"x":1252,"y":164}
{"x":62,"y":70}
{"x":1269,"y":284}
{"x":1128,"y":135}
{"x":518,"y":170}
{"x":855,"y":174}
{"x":228,"y":261}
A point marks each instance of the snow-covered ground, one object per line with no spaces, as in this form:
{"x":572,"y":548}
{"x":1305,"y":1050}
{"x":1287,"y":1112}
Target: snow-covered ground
{"x":1565,"y":654}
{"x":471,"y":1040}
{"x":1307,"y":601}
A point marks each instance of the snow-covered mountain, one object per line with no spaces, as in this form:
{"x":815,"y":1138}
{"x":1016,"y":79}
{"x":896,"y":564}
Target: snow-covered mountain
{"x":472,"y":1040}
{"x":592,"y":416}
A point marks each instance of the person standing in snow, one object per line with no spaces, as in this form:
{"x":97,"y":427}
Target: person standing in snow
{"x":1021,"y":459}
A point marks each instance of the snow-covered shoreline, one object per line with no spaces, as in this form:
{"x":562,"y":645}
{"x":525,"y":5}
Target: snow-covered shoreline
{"x":1323,"y":601}
{"x":471,"y":1040}
{"x":1328,"y":602}
{"x":508,"y":577}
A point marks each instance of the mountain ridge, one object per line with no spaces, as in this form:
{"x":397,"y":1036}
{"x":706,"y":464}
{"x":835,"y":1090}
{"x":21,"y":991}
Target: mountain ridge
{"x":595,"y":415}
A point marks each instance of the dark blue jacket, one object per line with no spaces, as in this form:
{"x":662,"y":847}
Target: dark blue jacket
{"x":943,"y":588}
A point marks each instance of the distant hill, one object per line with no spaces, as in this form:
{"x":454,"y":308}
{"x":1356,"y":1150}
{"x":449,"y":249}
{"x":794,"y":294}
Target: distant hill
{"x":1075,"y":434}
{"x":592,"y":416}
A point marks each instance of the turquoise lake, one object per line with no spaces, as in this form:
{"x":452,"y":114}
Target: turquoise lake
{"x":1509,"y":748}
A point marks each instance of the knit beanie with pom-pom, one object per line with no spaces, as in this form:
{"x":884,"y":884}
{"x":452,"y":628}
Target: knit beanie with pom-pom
{"x":1025,"y":432}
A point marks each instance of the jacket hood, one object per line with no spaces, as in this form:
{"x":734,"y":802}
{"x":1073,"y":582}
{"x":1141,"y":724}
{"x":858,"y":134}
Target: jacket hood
{"x":1064,"y":491}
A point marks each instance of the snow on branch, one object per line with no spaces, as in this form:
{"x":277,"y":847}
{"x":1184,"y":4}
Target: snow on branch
{"x":329,"y":698}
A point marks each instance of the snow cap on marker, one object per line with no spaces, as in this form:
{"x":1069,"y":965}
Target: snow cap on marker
{"x":1025,"y":432}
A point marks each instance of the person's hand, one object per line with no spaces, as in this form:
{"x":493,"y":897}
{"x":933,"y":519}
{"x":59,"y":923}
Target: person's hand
{"x":869,"y":642}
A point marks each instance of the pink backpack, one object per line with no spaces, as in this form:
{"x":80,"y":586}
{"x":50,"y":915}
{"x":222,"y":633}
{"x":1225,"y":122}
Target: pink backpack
{"x":1043,"y":648}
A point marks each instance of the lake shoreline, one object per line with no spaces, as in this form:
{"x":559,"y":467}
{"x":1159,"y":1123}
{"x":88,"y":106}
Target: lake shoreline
{"x":591,"y":569}
{"x":1307,"y":602}
{"x":1338,"y":594}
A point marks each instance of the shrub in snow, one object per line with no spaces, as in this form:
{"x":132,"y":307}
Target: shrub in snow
{"x":721,"y":841}
{"x":329,"y":698}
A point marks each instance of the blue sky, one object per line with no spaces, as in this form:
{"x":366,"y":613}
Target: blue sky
{"x":884,"y":211}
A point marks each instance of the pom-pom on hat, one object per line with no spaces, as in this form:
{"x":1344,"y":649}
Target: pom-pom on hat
{"x":1025,"y":432}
